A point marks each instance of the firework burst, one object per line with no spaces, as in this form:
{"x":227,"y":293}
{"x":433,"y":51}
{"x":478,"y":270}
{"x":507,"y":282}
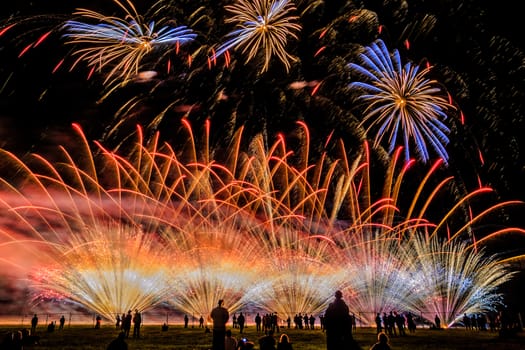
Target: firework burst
{"x":120,"y":45}
{"x":264,"y":228}
{"x":108,"y":270}
{"x":456,"y":278}
{"x":401,"y":100}
{"x":265,"y":26}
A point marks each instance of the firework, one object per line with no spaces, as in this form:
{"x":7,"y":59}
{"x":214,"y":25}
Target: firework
{"x":453,"y":279}
{"x":120,"y":45}
{"x":260,"y":228}
{"x":401,"y":100}
{"x":108,"y":270}
{"x":265,"y":27}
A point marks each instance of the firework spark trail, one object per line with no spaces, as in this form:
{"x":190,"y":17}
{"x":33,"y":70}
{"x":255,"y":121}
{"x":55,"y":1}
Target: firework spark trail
{"x":400,"y":100}
{"x":453,"y":279}
{"x":108,"y":270}
{"x":405,"y":262}
{"x":265,"y":27}
{"x":233,"y":225}
{"x":120,"y":44}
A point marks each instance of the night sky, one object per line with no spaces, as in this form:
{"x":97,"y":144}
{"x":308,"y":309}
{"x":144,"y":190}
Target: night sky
{"x":476,"y":48}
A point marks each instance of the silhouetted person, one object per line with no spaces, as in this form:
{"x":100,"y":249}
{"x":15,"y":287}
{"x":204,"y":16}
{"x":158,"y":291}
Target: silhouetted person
{"x":117,"y":323}
{"x":284,"y":343}
{"x":186,"y":320}
{"x":306,"y":322}
{"x":201,"y":322}
{"x":164,"y":327}
{"x":98,"y":322}
{"x":51,"y":327}
{"x":15,"y":341}
{"x":411,"y":324}
{"x":220,"y":317}
{"x":382,"y":342}
{"x":267,"y":342}
{"x":400,"y":323}
{"x":126,"y":323}
{"x":62,"y":322}
{"x":122,"y":319}
{"x":258,"y":321}
{"x":118,"y":343}
{"x":466,"y":321}
{"x":29,"y":339}
{"x":391,"y":320}
{"x":241,"y":320}
{"x":437,"y":322}
{"x":34,"y":323}
{"x":378,"y":323}
{"x":244,"y":344}
{"x":137,"y":321}
{"x":230,"y":343}
{"x":338,"y":324}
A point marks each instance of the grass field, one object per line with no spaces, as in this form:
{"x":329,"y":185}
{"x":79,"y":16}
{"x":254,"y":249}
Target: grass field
{"x":177,"y":337}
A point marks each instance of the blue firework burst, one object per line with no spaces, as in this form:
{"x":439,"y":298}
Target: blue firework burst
{"x":120,"y":43}
{"x":402,"y":101}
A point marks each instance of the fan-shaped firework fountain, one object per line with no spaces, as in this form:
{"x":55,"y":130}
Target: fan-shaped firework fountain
{"x":260,"y":228}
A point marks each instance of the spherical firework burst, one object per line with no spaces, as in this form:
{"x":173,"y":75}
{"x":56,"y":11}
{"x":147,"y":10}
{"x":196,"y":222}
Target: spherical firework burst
{"x":265,"y":27}
{"x":402,"y":101}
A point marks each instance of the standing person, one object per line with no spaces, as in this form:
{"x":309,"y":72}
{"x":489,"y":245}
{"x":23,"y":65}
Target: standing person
{"x":411,"y":324}
{"x":126,"y":323}
{"x":201,"y":322}
{"x":220,"y":317}
{"x":338,"y":324}
{"x":378,"y":323}
{"x":122,"y":319}
{"x":240,"y":322}
{"x":62,"y":322}
{"x":34,"y":323}
{"x":137,"y":321}
{"x":437,"y":322}
{"x":284,"y":343}
{"x":186,"y":320}
{"x":98,"y":322}
{"x":400,"y":323}
{"x":258,"y":321}
{"x":117,"y":324}
{"x":466,"y":321}
{"x":382,"y":342}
